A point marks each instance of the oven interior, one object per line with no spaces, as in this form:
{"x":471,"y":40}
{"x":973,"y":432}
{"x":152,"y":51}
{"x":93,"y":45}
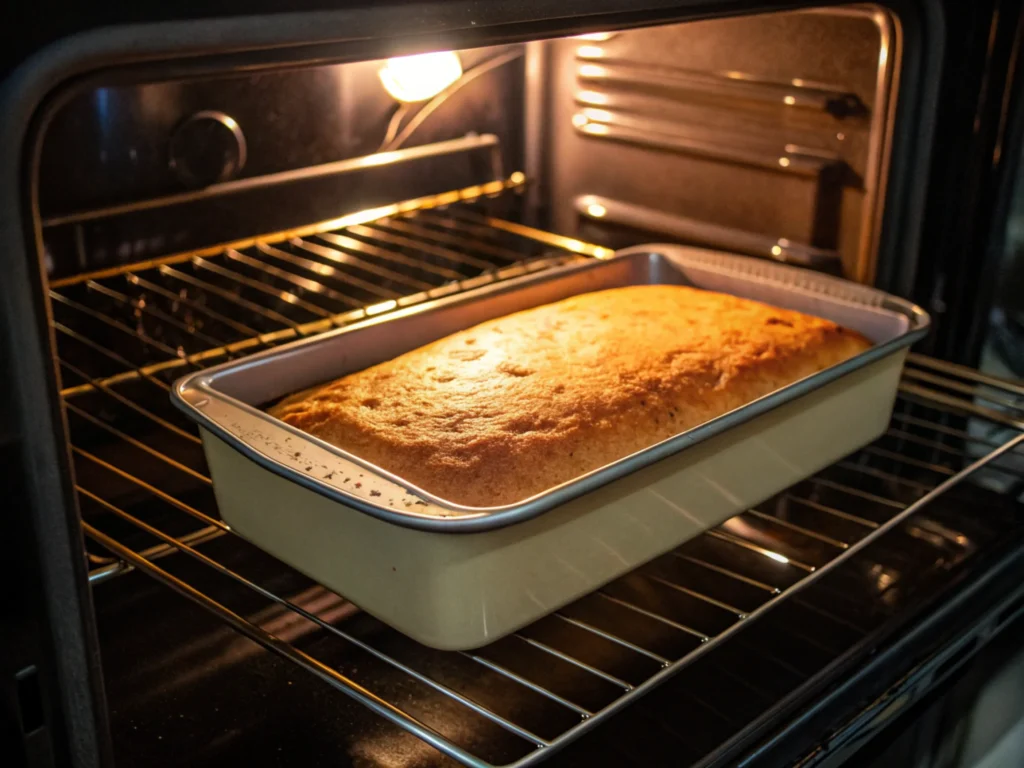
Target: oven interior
{"x":189,"y":221}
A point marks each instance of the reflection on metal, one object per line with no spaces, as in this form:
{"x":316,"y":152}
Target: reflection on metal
{"x":597,"y":37}
{"x":705,"y":233}
{"x":590,"y":52}
{"x":597,"y":68}
{"x":215,"y":275}
{"x":117,"y":567}
{"x":652,"y":133}
{"x":438,"y":149}
{"x":565,"y":243}
{"x":515,"y":180}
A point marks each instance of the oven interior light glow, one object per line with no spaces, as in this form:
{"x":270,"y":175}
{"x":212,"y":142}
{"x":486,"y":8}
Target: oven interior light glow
{"x":417,"y":78}
{"x":598,"y":115}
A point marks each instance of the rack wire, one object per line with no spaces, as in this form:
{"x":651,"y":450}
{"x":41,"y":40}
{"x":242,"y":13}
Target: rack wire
{"x":145,"y":492}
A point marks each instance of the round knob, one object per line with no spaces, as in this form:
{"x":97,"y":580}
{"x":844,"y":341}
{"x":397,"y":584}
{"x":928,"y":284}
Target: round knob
{"x":206,"y":148}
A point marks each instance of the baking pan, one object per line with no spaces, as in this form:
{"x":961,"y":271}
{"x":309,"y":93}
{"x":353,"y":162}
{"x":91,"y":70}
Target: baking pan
{"x":457,"y":577}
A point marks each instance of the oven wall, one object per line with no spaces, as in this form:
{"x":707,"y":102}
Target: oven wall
{"x":111,"y":148}
{"x":766,"y":135}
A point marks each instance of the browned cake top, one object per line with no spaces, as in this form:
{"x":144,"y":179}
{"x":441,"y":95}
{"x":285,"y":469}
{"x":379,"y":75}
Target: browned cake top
{"x":519,"y":404}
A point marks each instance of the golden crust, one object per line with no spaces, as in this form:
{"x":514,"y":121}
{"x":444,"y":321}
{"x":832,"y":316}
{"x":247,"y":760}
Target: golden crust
{"x":514,"y":406}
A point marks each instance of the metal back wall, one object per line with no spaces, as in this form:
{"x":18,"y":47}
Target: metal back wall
{"x":765,"y":135}
{"x":136,"y":171}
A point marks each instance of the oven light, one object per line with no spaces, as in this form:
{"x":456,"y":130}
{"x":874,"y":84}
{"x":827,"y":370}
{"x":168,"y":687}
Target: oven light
{"x":418,"y":78}
{"x":596,"y":210}
{"x":590,"y":52}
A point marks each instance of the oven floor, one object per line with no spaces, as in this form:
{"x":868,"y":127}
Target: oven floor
{"x":183,"y":687}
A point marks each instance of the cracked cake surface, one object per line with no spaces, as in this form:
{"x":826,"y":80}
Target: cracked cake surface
{"x":517,"y":405}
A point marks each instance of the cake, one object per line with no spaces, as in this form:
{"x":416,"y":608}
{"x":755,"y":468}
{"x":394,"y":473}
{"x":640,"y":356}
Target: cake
{"x":512,"y":407}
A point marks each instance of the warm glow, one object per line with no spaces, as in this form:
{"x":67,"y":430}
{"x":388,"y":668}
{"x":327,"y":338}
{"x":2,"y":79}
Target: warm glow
{"x":776,"y":250}
{"x":596,"y":210}
{"x":592,"y":70}
{"x":790,"y":100}
{"x":384,"y":306}
{"x":600,"y":115}
{"x":777,"y":556}
{"x":579,"y":120}
{"x":596,"y":129}
{"x":590,"y":51}
{"x":784,"y":162}
{"x":592,"y":97}
{"x":417,"y":78}
{"x":381,"y":158}
{"x":597,"y":37}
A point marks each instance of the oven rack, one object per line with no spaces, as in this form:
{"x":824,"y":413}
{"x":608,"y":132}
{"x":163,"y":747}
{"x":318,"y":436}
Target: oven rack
{"x":139,"y":469}
{"x":307,"y":280}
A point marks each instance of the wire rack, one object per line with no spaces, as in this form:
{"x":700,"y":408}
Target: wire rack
{"x":125,"y":334}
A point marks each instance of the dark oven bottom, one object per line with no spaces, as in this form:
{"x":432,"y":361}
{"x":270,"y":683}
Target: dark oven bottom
{"x":938,"y":495}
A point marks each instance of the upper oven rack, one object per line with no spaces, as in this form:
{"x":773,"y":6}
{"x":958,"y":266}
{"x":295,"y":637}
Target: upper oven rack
{"x":139,"y":470}
{"x":334,"y":273}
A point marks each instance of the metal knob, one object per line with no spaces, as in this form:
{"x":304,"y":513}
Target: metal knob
{"x":207,"y":148}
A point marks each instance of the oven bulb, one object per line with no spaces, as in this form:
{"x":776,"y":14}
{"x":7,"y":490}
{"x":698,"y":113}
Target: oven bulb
{"x":417,"y":78}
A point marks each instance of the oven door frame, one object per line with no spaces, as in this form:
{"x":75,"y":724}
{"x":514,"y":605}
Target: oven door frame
{"x":59,"y":639}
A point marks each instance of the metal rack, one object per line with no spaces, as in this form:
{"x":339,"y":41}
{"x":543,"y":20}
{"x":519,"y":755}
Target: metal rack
{"x":125,"y":334}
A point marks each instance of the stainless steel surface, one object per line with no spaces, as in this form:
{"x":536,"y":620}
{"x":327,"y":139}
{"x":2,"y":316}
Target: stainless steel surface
{"x":227,"y":399}
{"x":794,"y":93}
{"x":607,"y":122}
{"x":777,"y":125}
{"x":439,"y":149}
{"x":731,"y":239}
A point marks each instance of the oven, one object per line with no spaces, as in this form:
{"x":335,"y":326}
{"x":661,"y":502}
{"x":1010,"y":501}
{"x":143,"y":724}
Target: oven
{"x":187,"y":185}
